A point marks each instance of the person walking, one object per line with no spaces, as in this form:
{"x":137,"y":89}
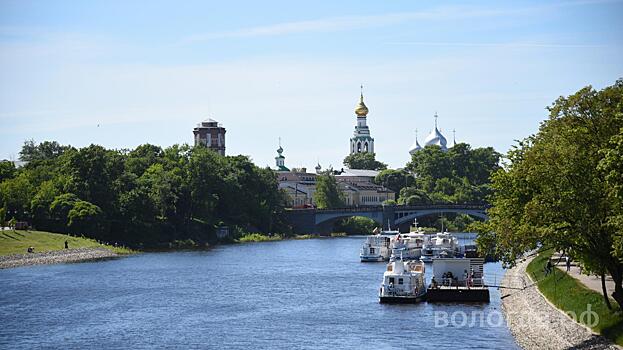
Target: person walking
{"x":66,"y":244}
{"x":568,"y":261}
{"x":548,"y":267}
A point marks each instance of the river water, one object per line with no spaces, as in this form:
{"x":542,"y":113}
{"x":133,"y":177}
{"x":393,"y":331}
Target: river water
{"x":278,"y":295}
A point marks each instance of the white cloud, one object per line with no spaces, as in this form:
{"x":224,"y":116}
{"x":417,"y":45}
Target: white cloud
{"x":343,"y":23}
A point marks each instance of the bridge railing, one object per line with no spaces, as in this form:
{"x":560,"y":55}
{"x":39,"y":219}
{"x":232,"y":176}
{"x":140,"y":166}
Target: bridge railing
{"x":397,"y":208}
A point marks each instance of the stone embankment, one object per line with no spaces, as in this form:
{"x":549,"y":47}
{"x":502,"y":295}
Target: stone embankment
{"x":537,"y":324}
{"x":56,"y":257}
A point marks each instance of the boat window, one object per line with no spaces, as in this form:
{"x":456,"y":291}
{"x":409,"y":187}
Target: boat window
{"x":400,"y":281}
{"x":391,"y":280}
{"x":371,"y":250}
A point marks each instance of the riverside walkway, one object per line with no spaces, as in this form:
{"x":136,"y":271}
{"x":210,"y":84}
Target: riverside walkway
{"x":536,"y":323}
{"x":592,"y":282}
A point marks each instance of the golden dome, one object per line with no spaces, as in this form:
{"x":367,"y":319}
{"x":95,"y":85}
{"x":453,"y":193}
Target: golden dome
{"x":361,"y":110}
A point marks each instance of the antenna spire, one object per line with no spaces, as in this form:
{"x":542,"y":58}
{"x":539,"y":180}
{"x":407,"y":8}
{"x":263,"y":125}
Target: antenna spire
{"x":436,"y":116}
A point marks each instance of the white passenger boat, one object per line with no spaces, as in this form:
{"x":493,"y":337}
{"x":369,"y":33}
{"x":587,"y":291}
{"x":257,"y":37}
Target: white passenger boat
{"x":376,"y":248}
{"x":408,"y":246}
{"x":441,"y":245}
{"x":403,"y":282}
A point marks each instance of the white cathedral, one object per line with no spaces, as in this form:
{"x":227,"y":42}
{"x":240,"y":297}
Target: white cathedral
{"x":435,"y":138}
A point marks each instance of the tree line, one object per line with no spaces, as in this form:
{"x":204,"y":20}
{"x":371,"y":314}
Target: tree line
{"x":459,"y":175}
{"x":562,"y":188}
{"x":145,"y":197}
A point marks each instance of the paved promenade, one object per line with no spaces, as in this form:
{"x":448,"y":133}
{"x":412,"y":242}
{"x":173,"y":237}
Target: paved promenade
{"x":593,"y":282}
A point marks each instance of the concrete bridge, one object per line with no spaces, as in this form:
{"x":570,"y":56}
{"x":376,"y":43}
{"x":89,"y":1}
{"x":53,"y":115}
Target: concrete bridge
{"x":321,"y":221}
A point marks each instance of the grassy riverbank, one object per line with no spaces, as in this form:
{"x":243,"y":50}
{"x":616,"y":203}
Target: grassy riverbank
{"x":258,"y":237}
{"x":571,"y":296}
{"x":18,"y":241}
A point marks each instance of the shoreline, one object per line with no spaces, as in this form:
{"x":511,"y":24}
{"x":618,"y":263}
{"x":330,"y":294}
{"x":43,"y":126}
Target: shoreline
{"x":535,"y":323}
{"x":57,"y":257}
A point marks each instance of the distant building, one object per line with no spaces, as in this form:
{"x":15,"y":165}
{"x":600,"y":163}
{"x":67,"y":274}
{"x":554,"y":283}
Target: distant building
{"x":298,"y":186}
{"x":356,"y":186}
{"x":361,"y":142}
{"x":359,"y":189}
{"x":211,"y":134}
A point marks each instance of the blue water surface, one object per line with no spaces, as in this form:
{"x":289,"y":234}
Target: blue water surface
{"x":293,"y":294}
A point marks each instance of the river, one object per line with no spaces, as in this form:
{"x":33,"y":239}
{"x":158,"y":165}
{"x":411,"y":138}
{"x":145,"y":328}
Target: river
{"x":279,"y":295}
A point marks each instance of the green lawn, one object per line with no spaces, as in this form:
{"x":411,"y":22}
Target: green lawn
{"x":18,"y":241}
{"x":569,"y":295}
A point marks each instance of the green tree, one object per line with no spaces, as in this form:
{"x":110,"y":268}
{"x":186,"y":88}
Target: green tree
{"x":47,"y":150}
{"x":141,"y":158}
{"x":365,"y":161}
{"x":553,"y":191}
{"x":16,"y":194}
{"x":356,"y":225}
{"x":2,"y":217}
{"x":328,"y":194}
{"x":60,"y":207}
{"x":413,"y":196}
{"x":460,"y":175}
{"x":611,"y":167}
{"x":40,"y":204}
{"x":145,"y":197}
{"x":93,"y":171}
{"x":7,"y":170}
{"x":161,"y":185}
{"x":395,"y":180}
{"x":85,"y":217}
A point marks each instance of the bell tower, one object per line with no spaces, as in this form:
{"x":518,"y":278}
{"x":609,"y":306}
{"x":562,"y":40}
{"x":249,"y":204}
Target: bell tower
{"x":361,"y":142}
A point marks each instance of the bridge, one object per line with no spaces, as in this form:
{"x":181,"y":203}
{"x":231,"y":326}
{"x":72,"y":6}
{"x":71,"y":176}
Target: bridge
{"x":321,"y":221}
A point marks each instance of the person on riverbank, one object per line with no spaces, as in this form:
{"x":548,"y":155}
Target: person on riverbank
{"x":568,"y":262}
{"x":66,"y":244}
{"x":548,"y":267}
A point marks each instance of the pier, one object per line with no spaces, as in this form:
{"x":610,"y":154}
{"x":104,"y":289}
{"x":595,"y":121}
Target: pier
{"x":458,"y":294}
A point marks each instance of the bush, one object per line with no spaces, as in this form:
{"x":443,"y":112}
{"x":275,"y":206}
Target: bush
{"x":355,"y":225}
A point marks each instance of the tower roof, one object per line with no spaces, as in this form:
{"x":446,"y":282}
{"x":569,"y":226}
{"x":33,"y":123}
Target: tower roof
{"x":436,"y":138}
{"x":415,"y":146}
{"x":361,"y":110}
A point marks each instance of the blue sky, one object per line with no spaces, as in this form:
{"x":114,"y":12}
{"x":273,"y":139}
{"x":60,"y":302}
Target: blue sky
{"x":148,"y":71}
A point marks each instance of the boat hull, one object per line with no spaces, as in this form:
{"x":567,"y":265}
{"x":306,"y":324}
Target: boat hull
{"x":402,"y":299}
{"x":372,"y":258}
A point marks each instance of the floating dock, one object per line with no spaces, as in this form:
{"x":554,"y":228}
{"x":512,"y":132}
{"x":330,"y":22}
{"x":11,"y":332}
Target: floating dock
{"x":458,"y":294}
{"x":451,"y":278}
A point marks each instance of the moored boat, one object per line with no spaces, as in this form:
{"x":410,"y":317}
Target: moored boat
{"x":441,"y":245}
{"x":375,"y":248}
{"x":403,"y":282}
